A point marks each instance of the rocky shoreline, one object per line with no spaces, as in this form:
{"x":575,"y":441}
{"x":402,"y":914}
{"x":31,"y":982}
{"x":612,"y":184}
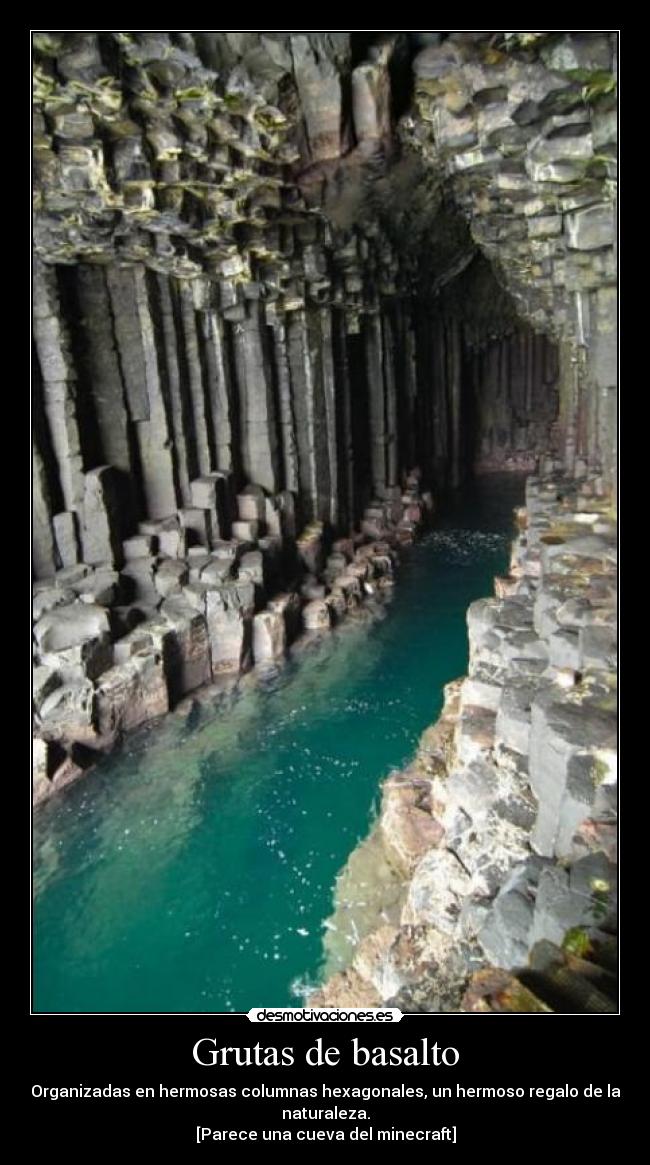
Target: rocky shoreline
{"x":489,"y":880}
{"x":127,"y":635}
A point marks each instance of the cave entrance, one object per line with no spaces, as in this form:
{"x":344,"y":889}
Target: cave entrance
{"x":451,"y":381}
{"x":494,"y":381}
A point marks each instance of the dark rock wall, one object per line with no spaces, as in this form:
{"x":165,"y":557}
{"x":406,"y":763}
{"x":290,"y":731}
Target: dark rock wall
{"x":513,"y":382}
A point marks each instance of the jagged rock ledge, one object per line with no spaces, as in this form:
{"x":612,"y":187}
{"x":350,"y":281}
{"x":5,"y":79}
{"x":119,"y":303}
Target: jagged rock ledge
{"x":122,"y":637}
{"x":489,"y":880}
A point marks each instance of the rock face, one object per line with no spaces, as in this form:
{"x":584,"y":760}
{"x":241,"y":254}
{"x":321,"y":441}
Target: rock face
{"x":273,"y":311}
{"x":501,"y":836}
{"x":115,"y":649}
{"x":532,"y":165}
{"x":227,"y":291}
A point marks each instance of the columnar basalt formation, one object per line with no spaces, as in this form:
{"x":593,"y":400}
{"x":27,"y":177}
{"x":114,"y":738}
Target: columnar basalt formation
{"x":285,"y":286}
{"x":498,"y":844}
{"x":524,"y":131}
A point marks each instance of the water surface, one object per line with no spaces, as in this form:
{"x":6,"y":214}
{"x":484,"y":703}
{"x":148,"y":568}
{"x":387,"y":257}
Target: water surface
{"x":193,"y":871}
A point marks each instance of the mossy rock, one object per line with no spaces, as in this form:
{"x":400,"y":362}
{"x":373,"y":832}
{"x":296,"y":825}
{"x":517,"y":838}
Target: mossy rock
{"x":599,"y":771}
{"x":577,"y":942}
{"x":49,"y":44}
{"x":596,"y":83}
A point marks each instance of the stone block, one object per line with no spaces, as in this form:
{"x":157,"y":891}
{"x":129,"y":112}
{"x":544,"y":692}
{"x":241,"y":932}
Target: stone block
{"x":436,"y":891}
{"x":506,"y":934}
{"x":229,"y":630}
{"x":140,"y":546}
{"x":136,"y":641}
{"x":216,"y":571}
{"x":591,"y":228}
{"x":47,"y":599}
{"x":241,"y":591}
{"x":197,"y":563}
{"x":66,"y":537}
{"x":560,"y":730}
{"x":188,"y":663}
{"x":100,"y":533}
{"x":338,"y":606}
{"x":251,"y":504}
{"x":87,"y":660}
{"x":554,"y":172}
{"x":269,"y":637}
{"x":172,"y":539}
{"x":474,"y":735}
{"x":131,"y":694}
{"x":348,"y":585}
{"x":41,"y":766}
{"x":203,"y":491}
{"x":68,"y":712}
{"x":564,"y":650}
{"x":139,"y":574}
{"x":316,"y":615}
{"x":545,"y":226}
{"x":310,"y":549}
{"x":251,"y":566}
{"x":311,"y":588}
{"x":246,"y":531}
{"x":287,"y":505}
{"x":407,"y":829}
{"x":44,"y":681}
{"x":598,"y":648}
{"x":225,"y":550}
{"x":102,"y":588}
{"x":480,"y":693}
{"x":583,"y":896}
{"x":289,"y":606}
{"x":197,"y":524}
{"x":69,"y":626}
{"x":584,"y":51}
{"x":170,"y":577}
{"x":273,"y":517}
{"x":208,"y":493}
{"x":512,"y":725}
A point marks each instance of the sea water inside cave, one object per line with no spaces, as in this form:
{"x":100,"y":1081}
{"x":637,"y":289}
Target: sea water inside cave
{"x":193,"y":870}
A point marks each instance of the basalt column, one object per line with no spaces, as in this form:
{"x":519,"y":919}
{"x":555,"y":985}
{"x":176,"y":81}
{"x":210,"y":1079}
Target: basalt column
{"x":256,"y":405}
{"x":138,"y":347}
{"x":377,"y":414}
{"x":303,"y":397}
{"x":392,"y":449}
{"x":345,"y":445}
{"x":59,"y":385}
{"x":290,"y":463}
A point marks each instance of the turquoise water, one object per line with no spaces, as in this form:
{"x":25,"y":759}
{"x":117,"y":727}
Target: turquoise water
{"x":194,"y":870}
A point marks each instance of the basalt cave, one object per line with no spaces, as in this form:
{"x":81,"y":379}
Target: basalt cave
{"x":293,"y":293}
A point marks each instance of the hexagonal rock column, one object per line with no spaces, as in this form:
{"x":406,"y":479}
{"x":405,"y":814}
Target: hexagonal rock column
{"x":100,"y":533}
{"x":269,"y":637}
